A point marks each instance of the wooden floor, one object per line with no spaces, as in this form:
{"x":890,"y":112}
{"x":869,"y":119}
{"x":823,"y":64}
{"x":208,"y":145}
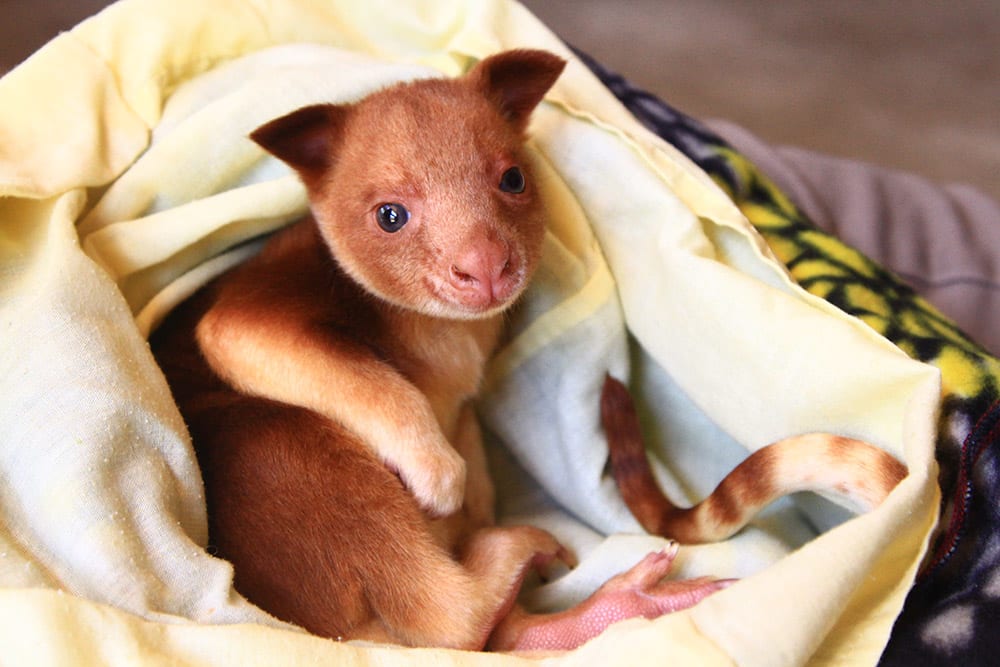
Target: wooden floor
{"x":910,"y":84}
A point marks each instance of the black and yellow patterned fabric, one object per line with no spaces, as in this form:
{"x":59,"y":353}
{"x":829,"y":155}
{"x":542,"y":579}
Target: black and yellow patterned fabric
{"x":959,"y":586}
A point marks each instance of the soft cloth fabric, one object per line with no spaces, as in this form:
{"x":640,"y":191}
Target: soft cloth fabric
{"x":951,"y":613}
{"x":128,"y":181}
{"x":942,"y":240}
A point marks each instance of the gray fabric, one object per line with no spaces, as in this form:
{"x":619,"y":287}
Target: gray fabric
{"x":943,"y":240}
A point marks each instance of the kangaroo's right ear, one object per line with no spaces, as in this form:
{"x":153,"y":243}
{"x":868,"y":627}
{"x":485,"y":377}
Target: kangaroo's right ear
{"x":305,"y":139}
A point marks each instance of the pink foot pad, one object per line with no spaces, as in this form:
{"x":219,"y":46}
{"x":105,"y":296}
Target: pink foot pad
{"x":640,"y":591}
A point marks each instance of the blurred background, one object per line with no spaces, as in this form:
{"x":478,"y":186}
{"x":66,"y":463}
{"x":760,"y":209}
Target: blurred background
{"x":907,"y":84}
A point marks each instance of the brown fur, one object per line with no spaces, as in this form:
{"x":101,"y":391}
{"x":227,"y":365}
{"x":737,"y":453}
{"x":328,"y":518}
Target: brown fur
{"x":852,"y":469}
{"x":327,"y":381}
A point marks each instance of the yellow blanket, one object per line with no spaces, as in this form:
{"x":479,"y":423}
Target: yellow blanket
{"x":127,"y":181}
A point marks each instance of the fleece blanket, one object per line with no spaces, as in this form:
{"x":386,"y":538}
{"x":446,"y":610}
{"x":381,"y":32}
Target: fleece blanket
{"x":943,"y":239}
{"x":127,"y":182}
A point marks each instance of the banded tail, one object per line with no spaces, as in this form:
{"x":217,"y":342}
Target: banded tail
{"x":855,"y":470}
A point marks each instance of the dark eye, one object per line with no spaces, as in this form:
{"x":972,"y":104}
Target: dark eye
{"x":392,"y":217}
{"x":512,"y":181}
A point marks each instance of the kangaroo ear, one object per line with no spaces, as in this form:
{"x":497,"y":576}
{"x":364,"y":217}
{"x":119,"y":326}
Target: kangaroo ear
{"x":305,"y":139}
{"x":516,"y":81}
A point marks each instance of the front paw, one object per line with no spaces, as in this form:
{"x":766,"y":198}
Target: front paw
{"x":436,"y":478}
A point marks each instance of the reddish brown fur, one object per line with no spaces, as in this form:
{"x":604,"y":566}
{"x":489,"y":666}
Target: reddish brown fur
{"x":813,"y":462}
{"x":343,"y":354}
{"x":627,"y":453}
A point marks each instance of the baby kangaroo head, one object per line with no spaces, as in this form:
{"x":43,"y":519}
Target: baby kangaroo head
{"x":423,"y":191}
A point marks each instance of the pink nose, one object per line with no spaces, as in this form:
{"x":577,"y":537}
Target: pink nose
{"x":484,"y":273}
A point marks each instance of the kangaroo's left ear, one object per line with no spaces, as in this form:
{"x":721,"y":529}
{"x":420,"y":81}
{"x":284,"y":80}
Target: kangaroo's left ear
{"x":517,"y":80}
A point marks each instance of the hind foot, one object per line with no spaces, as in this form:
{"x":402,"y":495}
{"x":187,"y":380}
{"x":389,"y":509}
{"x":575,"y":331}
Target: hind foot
{"x":640,"y":591}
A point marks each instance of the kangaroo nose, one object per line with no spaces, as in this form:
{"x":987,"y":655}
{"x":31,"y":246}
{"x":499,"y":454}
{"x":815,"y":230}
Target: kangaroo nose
{"x":483,"y":272}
